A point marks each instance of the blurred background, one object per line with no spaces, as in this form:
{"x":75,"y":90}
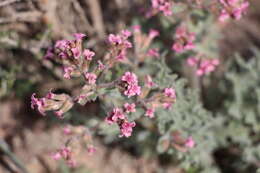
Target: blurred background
{"x":28,"y":27}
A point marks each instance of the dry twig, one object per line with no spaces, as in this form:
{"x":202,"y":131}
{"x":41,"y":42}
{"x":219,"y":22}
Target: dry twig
{"x":7,"y":2}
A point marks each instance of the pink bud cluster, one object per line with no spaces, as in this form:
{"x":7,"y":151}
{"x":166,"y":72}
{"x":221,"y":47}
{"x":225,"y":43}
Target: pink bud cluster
{"x":66,"y":154}
{"x":183,"y":40}
{"x":120,"y":44}
{"x":204,"y":66}
{"x":75,"y":135}
{"x":233,"y":9}
{"x":164,"y":6}
{"x":189,"y":142}
{"x":118,"y":116}
{"x":130,"y":84}
{"x":60,"y":103}
{"x":142,"y":43}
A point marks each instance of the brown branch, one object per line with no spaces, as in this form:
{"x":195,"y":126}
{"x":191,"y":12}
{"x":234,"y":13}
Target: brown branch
{"x":96,"y":15}
{"x":7,"y":2}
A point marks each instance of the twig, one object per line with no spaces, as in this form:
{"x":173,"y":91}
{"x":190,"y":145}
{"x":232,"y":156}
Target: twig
{"x":96,"y":15}
{"x":7,"y":2}
{"x":5,"y":149}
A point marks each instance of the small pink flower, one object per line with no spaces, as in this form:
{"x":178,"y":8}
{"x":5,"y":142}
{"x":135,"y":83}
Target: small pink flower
{"x":76,"y":52}
{"x":91,"y":77}
{"x":149,"y":112}
{"x":115,"y":115}
{"x":101,"y":66}
{"x":192,"y":61}
{"x":189,"y":143}
{"x":71,"y":163}
{"x":184,"y":40}
{"x":163,"y":6}
{"x":56,"y":156}
{"x":67,"y":130}
{"x":59,"y":114}
{"x":167,"y":105}
{"x":178,"y":47}
{"x":65,"y":152}
{"x":79,"y":36}
{"x":149,"y":82}
{"x":129,"y":107}
{"x":88,"y":54}
{"x":132,"y":90}
{"x":126,"y":129}
{"x":130,"y":78}
{"x":136,"y":28}
{"x":114,"y":39}
{"x":169,"y":92}
{"x":153,"y":53}
{"x":39,"y":103}
{"x":126,"y":33}
{"x":91,"y":149}
{"x":153,"y":33}
{"x":61,"y":44}
{"x":67,"y":72}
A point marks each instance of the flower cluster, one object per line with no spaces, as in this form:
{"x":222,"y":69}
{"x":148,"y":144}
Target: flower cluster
{"x":120,"y":44}
{"x":60,"y":103}
{"x":204,"y":66}
{"x":183,"y":40}
{"x":232,"y":9}
{"x":76,"y":135}
{"x":164,"y":6}
{"x":66,"y":154}
{"x":142,"y":42}
{"x":130,"y":84}
{"x":118,"y":116}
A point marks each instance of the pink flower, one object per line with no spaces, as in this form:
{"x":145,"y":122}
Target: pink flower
{"x":153,"y":52}
{"x":129,"y":107}
{"x":149,"y":82}
{"x":91,"y":77}
{"x":67,"y":130}
{"x":149,"y":112}
{"x":79,"y":36}
{"x":136,"y":28}
{"x":71,"y":163}
{"x":178,"y":47}
{"x":76,"y":52}
{"x":126,"y":33}
{"x":122,"y":55}
{"x":49,"y":54}
{"x":126,"y":129}
{"x":130,"y":78}
{"x":163,"y":6}
{"x":56,"y":156}
{"x":88,"y":54}
{"x":153,"y":33}
{"x":189,"y":143}
{"x":61,"y":44}
{"x":114,"y":116}
{"x":184,"y":40}
{"x":169,"y":92}
{"x":101,"y":66}
{"x":67,"y":72}
{"x":59,"y":114}
{"x":114,"y":39}
{"x":65,"y":152}
{"x":39,"y":103}
{"x":167,"y":105}
{"x":192,"y":61}
{"x":91,"y":149}
{"x":233,"y":9}
{"x":132,"y":90}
